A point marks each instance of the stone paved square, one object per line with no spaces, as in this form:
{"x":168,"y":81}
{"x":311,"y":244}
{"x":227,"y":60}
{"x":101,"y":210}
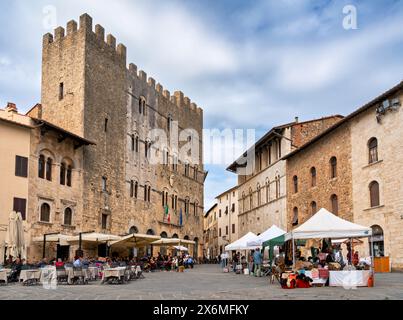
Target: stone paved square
{"x":205,"y":282}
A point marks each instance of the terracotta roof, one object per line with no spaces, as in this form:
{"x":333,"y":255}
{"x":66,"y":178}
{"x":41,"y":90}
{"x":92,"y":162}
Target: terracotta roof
{"x":228,"y":191}
{"x":209,"y":210}
{"x":17,"y":123}
{"x":63,"y":132}
{"x":365,"y":107}
{"x":272,"y":132}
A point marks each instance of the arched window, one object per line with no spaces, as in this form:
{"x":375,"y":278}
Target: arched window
{"x":175,"y":236}
{"x":68,"y":217}
{"x":49,"y":163}
{"x":136,"y":187}
{"x":259,"y":195}
{"x":314,"y":207}
{"x":69,"y":175}
{"x":374,"y":194}
{"x":243,"y":202}
{"x":131,"y":188}
{"x":41,"y":167}
{"x":373,"y":150}
{"x":378,"y":241}
{"x":295,"y":217}
{"x":195,"y":171}
{"x":63,"y":174}
{"x":164,"y":235}
{"x":169,"y":124}
{"x":313,"y":177}
{"x":267,"y":191}
{"x":334,"y":200}
{"x":45,"y":213}
{"x":278,"y":187}
{"x":142,"y":105}
{"x":133,"y":142}
{"x":250,"y":199}
{"x":147,"y":192}
{"x":137,"y":144}
{"x":165,"y":156}
{"x":295,"y":182}
{"x":147,"y":148}
{"x":333,"y":167}
{"x":150,"y":232}
{"x":133,"y":230}
{"x":196,"y":204}
{"x":186,"y":237}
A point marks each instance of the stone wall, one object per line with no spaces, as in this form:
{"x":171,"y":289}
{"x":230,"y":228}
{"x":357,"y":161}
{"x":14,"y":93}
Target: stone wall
{"x":387,"y":172}
{"x":335,"y":144}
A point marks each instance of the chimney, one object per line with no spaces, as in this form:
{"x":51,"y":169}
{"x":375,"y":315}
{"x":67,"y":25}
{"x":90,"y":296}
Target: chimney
{"x":296,"y":119}
{"x":11,"y":107}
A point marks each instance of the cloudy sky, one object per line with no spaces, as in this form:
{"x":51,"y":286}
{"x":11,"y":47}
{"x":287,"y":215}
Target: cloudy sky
{"x":248,"y":64}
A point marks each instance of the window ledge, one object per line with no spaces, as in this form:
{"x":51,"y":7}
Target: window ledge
{"x":45,"y":223}
{"x":372,"y":164}
{"x":68,"y":226}
{"x":373,"y":208}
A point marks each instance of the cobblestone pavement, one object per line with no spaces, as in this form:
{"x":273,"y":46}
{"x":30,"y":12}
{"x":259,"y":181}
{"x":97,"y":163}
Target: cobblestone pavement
{"x":203,"y":282}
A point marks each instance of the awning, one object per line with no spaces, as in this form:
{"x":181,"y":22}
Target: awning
{"x":326,"y":225}
{"x":60,"y":238}
{"x":173,"y":242}
{"x":242,"y":243}
{"x":279,"y":241}
{"x":271,"y":233}
{"x":135,"y":240}
{"x":95,"y":237}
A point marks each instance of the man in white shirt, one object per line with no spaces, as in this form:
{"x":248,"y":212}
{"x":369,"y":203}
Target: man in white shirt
{"x":77,"y":263}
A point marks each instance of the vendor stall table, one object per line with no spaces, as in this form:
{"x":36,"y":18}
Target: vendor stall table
{"x":356,"y":278}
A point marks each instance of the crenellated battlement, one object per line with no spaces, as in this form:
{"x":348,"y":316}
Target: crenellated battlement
{"x":109,"y":44}
{"x":85,"y":29}
{"x":178,"y":98}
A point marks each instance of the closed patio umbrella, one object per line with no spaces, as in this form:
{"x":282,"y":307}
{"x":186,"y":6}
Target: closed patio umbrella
{"x":12,"y":234}
{"x":21,"y":247}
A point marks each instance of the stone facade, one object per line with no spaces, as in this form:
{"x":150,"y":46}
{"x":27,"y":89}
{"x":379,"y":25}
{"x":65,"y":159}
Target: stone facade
{"x":63,"y":197}
{"x":211,"y":249}
{"x":262,"y":195}
{"x":318,"y":155}
{"x":386,"y":171}
{"x":228,"y":223}
{"x":87,"y":89}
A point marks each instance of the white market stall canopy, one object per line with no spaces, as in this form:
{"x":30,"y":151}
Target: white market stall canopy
{"x":326,"y":225}
{"x":271,"y":233}
{"x":242,"y":243}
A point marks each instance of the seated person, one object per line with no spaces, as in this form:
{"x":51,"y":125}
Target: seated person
{"x":59,"y":264}
{"x":77,"y":262}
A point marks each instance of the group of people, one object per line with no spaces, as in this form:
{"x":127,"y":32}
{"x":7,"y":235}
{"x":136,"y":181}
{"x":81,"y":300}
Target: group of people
{"x":166,"y":262}
{"x":147,"y":263}
{"x":253,"y":263}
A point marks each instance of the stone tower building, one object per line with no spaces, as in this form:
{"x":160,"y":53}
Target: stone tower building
{"x":88,"y":90}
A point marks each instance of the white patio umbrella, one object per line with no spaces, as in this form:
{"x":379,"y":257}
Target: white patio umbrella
{"x":12,"y":235}
{"x":21,"y":247}
{"x":2,"y":251}
{"x":181,"y":248}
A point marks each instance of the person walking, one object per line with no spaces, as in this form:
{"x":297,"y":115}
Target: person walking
{"x":257,"y":260}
